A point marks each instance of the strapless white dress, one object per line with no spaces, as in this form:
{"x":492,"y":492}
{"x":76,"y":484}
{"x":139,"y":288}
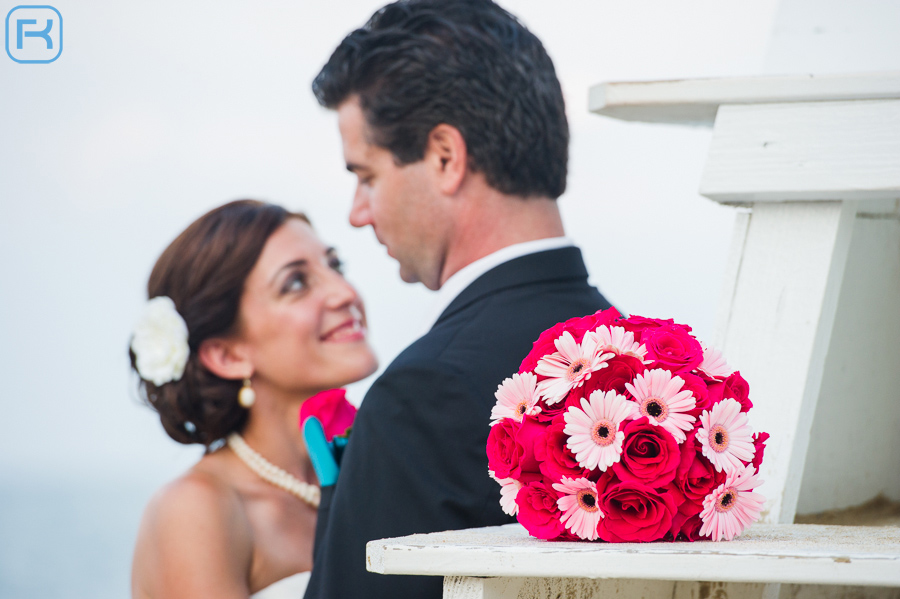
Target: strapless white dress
{"x":291,"y":587}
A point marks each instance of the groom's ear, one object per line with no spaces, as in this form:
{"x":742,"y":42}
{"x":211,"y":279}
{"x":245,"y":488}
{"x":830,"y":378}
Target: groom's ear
{"x":446,"y":152}
{"x":225,"y":358}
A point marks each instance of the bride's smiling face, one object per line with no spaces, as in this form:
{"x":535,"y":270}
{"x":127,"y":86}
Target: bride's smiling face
{"x":301,"y":325}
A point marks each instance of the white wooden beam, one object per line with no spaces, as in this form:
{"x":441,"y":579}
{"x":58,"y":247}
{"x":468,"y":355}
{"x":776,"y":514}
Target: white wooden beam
{"x":775,"y":327}
{"x":804,"y":151}
{"x":695,"y":101}
{"x":850,"y":458}
{"x":766,"y":553}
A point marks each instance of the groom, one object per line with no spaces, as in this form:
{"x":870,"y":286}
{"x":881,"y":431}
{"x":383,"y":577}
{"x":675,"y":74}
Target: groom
{"x":453,"y":121}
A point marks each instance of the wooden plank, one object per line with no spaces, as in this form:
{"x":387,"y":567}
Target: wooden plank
{"x":804,"y":151}
{"x":766,"y":553}
{"x":466,"y":587}
{"x":695,"y":101}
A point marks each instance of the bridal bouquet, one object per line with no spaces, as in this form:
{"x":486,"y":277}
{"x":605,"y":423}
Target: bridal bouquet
{"x":625,"y":430}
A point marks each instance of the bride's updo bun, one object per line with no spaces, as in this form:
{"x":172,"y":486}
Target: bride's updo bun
{"x":203,"y":271}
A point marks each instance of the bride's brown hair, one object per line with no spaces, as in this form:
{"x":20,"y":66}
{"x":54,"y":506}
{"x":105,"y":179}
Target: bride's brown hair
{"x":203,"y":271}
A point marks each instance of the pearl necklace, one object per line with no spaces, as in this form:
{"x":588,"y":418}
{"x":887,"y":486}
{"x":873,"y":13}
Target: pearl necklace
{"x":271,"y":473}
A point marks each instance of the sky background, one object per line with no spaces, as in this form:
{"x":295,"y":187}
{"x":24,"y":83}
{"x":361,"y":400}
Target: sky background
{"x":157,"y":112}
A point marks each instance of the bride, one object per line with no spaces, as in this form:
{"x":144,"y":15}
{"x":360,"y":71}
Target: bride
{"x":248,"y":316}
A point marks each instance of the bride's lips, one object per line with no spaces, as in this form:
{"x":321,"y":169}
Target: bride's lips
{"x":351,"y":329}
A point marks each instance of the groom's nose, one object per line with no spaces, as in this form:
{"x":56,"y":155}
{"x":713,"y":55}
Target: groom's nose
{"x":360,"y":212}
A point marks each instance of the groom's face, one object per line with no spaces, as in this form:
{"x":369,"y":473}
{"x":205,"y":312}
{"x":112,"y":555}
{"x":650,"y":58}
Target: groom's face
{"x":401,"y":203}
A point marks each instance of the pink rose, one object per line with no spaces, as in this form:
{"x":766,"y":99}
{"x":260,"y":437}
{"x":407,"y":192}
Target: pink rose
{"x":577,"y":327}
{"x":672,"y":347}
{"x":696,"y":477}
{"x":634,"y":512}
{"x":650,"y":455}
{"x":555,"y":458}
{"x":332,"y":409}
{"x":538,"y":511}
{"x":734,"y":387}
{"x":759,"y":443}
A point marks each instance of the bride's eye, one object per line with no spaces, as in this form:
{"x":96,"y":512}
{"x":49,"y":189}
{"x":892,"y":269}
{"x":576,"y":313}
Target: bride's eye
{"x":295,"y":282}
{"x":336,"y":264}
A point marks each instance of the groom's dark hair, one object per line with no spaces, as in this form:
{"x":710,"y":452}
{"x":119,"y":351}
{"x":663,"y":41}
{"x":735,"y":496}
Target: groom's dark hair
{"x":466,"y":63}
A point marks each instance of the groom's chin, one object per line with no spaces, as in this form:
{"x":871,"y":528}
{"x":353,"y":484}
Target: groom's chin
{"x":407,"y":275}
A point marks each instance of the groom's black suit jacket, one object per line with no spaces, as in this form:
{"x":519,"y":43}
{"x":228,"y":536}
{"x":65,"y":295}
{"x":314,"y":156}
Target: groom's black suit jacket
{"x":416,"y":460}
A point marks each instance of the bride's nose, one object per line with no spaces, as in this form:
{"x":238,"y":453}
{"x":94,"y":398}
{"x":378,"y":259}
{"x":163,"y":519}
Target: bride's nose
{"x":340,"y":293}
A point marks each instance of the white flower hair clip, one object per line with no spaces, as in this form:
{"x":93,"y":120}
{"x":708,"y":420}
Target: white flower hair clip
{"x":160,"y":342}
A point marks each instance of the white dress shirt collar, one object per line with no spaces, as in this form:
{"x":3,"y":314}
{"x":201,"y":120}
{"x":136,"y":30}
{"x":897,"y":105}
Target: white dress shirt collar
{"x":465,"y":276}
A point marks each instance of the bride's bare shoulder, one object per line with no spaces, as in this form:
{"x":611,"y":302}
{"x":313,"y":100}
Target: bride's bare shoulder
{"x":194,"y":531}
{"x":201,"y":494}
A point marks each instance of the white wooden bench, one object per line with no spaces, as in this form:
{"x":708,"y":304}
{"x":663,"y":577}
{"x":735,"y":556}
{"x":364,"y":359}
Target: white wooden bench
{"x":504,"y":562}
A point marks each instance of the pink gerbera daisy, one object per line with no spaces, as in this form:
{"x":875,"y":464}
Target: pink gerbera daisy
{"x":594,"y":435}
{"x":570,"y":366}
{"x":732,"y":507}
{"x":714,"y":365}
{"x":662,"y":400}
{"x":725,"y":436}
{"x":619,"y":341}
{"x":516,"y":396}
{"x":580,"y":506}
{"x":509,"y":488}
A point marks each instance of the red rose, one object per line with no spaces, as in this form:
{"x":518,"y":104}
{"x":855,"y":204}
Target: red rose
{"x":698,"y":388}
{"x":619,"y":370}
{"x":567,"y":536}
{"x":577,"y":327}
{"x":735,"y":387}
{"x":510,"y":447}
{"x":501,"y":447}
{"x":650,"y":455}
{"x":759,"y":443}
{"x":639,"y":325}
{"x":529,"y":436}
{"x":332,"y":409}
{"x":538,"y":511}
{"x":685,"y":527}
{"x":555,"y":458}
{"x":599,"y":318}
{"x":696,"y":477}
{"x":633,"y":512}
{"x":549,"y":412}
{"x":672,"y":347}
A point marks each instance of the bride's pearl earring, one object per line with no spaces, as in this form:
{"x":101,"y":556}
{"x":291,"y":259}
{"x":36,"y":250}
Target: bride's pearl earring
{"x":246,"y":396}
